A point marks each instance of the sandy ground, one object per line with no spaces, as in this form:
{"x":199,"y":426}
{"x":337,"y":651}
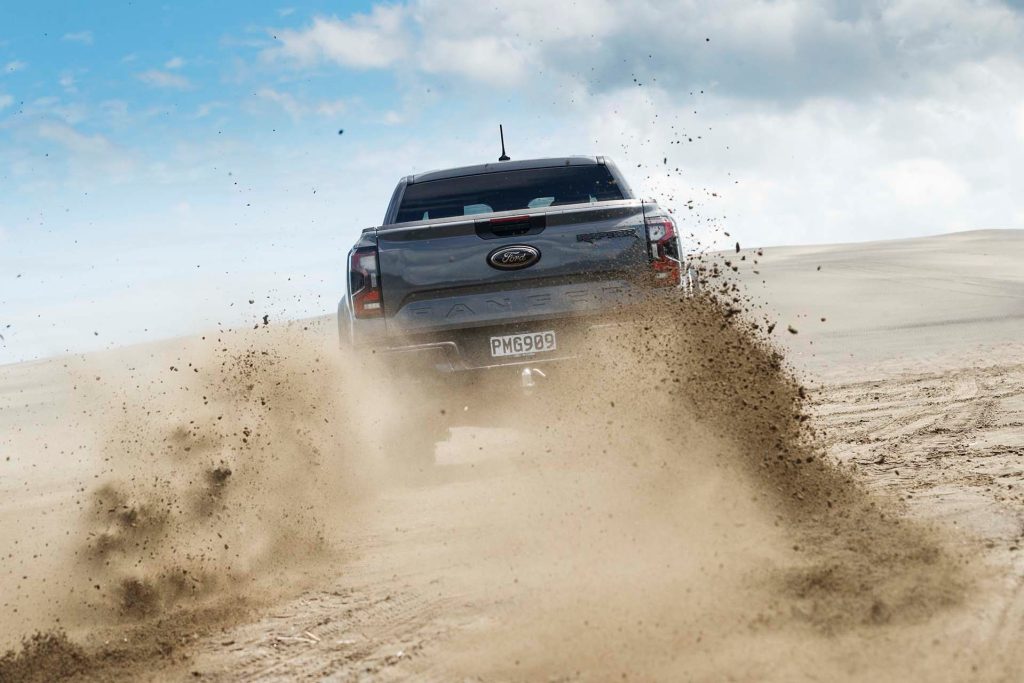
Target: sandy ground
{"x":615,"y":535}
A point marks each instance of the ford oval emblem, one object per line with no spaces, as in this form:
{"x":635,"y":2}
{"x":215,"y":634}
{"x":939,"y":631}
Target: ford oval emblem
{"x":513,"y":257}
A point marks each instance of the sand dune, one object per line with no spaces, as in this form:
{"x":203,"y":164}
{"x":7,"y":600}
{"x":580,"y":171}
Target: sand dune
{"x":678,"y":511}
{"x":896,"y":301}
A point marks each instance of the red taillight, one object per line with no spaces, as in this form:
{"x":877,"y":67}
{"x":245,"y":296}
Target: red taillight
{"x":364,"y":283}
{"x":663,"y":245}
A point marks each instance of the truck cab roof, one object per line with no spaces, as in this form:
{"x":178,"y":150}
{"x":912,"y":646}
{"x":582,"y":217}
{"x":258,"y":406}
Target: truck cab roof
{"x":497,"y":166}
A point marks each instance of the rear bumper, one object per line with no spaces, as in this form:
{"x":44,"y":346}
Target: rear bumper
{"x":448,"y":357}
{"x":468,"y":352}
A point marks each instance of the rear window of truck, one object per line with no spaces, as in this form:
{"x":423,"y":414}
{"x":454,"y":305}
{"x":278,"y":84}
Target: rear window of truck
{"x":529,"y":188}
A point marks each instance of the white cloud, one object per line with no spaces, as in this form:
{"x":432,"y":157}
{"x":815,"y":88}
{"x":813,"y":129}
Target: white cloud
{"x":788,"y":49}
{"x":82,"y":37}
{"x":924,"y":182}
{"x":461,"y":38}
{"x":52,"y":107}
{"x":330,"y":107}
{"x":486,"y":59}
{"x":286,"y":101}
{"x":5,"y":101}
{"x":174,"y":63}
{"x":297,"y":108}
{"x":67,"y":82}
{"x":75,"y":140}
{"x":364,"y":41}
{"x":523,"y":24}
{"x":163,"y":79}
{"x":207,"y":108}
{"x":828,"y":170}
{"x":16,"y":65}
{"x":114,"y":110}
{"x":88,"y":154}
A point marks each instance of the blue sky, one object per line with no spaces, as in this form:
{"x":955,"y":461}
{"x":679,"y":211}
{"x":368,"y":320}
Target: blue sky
{"x":163,"y":165}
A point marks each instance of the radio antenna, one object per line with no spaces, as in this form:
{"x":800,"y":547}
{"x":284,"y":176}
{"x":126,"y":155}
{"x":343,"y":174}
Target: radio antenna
{"x":501,"y":132}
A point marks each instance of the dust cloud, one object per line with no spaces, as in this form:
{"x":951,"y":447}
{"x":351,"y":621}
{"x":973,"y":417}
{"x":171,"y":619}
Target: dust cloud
{"x":225,"y":470}
{"x":677,"y":508}
{"x":240,"y":464}
{"x":669,"y":493}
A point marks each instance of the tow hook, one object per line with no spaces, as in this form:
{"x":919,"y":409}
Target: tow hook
{"x":528,"y":379}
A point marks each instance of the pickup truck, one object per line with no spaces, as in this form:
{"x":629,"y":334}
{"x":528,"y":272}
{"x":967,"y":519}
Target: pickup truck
{"x":499,"y":269}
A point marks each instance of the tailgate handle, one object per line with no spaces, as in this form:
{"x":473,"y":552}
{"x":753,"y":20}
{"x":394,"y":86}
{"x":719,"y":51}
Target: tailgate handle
{"x":511,"y":226}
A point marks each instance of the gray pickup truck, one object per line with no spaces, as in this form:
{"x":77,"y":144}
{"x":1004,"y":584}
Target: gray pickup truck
{"x":500,"y":269}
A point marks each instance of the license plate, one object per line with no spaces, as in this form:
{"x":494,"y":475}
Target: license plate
{"x":522,"y":344}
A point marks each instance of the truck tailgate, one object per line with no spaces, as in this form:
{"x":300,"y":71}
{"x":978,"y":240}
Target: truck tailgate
{"x":436,"y":275}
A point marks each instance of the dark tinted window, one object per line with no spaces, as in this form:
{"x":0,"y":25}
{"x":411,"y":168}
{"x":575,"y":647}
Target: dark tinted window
{"x":507,"y":191}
